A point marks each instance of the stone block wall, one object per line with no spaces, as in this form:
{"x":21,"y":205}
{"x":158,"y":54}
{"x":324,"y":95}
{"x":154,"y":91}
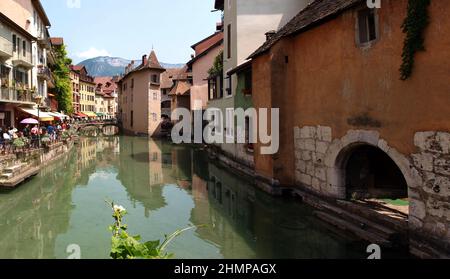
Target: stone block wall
{"x":311,"y":145}
{"x":320,"y":167}
{"x":430,"y":202}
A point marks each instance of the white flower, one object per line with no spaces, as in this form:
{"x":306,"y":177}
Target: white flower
{"x":119,"y":208}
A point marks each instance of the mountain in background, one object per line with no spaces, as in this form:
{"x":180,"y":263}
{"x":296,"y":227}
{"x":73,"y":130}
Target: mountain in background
{"x":112,"y":66}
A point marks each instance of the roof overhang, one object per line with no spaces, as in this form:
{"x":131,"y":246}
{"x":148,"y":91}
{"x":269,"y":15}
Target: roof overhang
{"x":219,"y":5}
{"x":38,"y":6}
{"x":243,"y":67}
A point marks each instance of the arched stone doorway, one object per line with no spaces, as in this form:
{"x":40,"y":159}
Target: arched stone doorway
{"x":340,"y":151}
{"x":371,"y":173}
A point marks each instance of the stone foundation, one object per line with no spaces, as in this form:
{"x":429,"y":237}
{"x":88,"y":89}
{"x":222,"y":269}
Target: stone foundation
{"x":320,"y":163}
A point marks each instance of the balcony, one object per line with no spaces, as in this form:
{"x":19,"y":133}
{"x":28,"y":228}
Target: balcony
{"x":19,"y":59}
{"x":43,"y":40}
{"x":14,"y":95}
{"x":44,"y":73}
{"x":5,"y":48}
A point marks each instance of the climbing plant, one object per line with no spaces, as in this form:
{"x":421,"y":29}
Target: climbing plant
{"x":61,"y":73}
{"x":416,"y":21}
{"x":217,"y":68}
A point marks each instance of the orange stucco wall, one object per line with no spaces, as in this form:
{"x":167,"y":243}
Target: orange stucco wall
{"x":329,"y":79}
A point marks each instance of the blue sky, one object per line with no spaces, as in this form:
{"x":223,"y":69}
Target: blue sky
{"x":129,"y":29}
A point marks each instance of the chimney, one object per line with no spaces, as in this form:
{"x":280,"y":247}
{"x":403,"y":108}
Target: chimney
{"x":144,"y":60}
{"x":270,"y":34}
{"x":192,"y":56}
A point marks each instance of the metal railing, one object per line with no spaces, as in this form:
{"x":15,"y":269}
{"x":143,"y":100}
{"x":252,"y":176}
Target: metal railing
{"x":44,"y":72}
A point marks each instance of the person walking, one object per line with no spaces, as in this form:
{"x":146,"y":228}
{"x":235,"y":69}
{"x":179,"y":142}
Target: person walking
{"x":6,"y":140}
{"x":34,"y":136}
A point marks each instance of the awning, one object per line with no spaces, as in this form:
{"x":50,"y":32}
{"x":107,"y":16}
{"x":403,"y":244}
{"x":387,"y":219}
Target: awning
{"x":79,"y":114}
{"x":58,"y":115}
{"x":43,"y":116}
{"x":90,"y":114}
{"x":100,"y":114}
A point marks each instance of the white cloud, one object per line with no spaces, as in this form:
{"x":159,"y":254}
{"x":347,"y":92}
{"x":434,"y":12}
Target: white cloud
{"x":93,"y":52}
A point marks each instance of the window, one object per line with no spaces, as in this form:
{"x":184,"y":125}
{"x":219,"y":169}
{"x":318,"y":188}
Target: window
{"x":230,"y":122}
{"x":229,"y":41}
{"x":367,"y":29}
{"x":155,"y":96}
{"x":229,"y":88}
{"x":248,"y":82}
{"x":164,"y":92}
{"x":24,"y":49}
{"x":14,"y":41}
{"x":132,"y":83}
{"x":154,"y":79}
{"x":132,"y":117}
{"x":18,"y":44}
{"x":248,"y":144}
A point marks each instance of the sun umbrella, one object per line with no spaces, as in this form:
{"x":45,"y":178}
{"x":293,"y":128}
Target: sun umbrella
{"x":29,"y":121}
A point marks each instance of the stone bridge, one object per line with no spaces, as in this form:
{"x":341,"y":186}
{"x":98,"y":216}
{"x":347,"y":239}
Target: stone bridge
{"x":98,"y":128}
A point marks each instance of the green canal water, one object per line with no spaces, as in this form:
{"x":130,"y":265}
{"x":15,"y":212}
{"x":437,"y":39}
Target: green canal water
{"x":164,"y":187}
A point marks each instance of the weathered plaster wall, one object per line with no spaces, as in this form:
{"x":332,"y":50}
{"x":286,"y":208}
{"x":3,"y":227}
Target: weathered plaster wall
{"x":342,"y":86}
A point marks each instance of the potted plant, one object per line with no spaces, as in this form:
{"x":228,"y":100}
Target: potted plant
{"x":19,"y":144}
{"x":5,"y":83}
{"x":45,"y":141}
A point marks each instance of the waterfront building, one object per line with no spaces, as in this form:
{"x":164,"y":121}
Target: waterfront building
{"x":245,"y":25}
{"x":75,"y":86}
{"x":180,"y":92}
{"x":24,"y":45}
{"x":350,"y":127}
{"x":140,"y":97}
{"x":206,"y":52}
{"x":166,"y":86}
{"x":86,"y":89}
{"x":106,"y":97}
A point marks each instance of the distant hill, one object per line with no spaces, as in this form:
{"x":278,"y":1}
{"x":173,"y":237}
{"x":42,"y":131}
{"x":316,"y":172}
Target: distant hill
{"x":113,"y":66}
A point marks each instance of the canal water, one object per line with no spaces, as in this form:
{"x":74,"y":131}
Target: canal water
{"x":164,"y":187}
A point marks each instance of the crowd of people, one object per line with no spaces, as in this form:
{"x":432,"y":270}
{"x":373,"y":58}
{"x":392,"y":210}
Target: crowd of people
{"x":31,"y":134}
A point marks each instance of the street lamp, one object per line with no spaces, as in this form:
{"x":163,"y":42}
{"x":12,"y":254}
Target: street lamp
{"x":38,"y":100}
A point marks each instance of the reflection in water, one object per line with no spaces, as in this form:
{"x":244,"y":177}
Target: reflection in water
{"x":165,"y":187}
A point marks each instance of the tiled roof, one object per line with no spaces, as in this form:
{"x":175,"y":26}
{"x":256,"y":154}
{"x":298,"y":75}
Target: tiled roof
{"x":166,"y":81}
{"x":105,"y":85}
{"x":182,"y":87}
{"x":153,"y":62}
{"x":315,"y":13}
{"x":57,"y":41}
{"x":76,"y":68}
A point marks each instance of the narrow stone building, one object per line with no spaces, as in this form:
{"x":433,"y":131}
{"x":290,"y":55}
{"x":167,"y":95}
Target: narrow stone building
{"x":140,"y":97}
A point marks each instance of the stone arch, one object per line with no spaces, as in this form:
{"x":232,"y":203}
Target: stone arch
{"x":339,"y":151}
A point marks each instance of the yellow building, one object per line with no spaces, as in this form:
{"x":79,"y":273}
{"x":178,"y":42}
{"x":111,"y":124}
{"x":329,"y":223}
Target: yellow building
{"x":87,"y":92}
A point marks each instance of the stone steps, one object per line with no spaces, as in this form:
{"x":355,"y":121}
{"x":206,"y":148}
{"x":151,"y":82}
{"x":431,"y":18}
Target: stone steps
{"x":386,"y":216}
{"x":14,"y":169}
{"x":366,"y":222}
{"x":351,"y":227}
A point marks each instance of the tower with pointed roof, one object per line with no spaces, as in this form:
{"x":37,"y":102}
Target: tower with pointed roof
{"x":140,"y":97}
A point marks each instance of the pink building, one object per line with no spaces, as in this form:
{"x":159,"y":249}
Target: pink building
{"x":205,"y":52}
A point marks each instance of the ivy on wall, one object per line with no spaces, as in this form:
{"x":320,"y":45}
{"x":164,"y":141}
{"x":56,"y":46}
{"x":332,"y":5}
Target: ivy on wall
{"x":217,"y":68}
{"x":416,"y":21}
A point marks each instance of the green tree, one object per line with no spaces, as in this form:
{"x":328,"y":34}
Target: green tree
{"x":61,"y":72}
